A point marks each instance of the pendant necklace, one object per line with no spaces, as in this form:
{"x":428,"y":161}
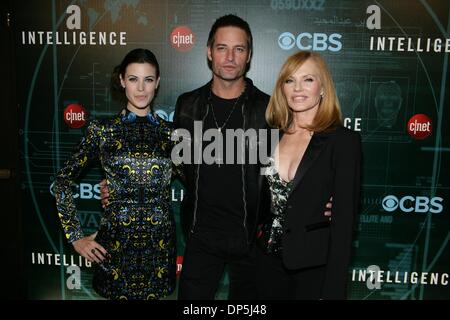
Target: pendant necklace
{"x":219,"y":128}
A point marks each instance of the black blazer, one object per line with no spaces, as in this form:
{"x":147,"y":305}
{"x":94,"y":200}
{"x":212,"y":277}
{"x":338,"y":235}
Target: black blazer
{"x":329,"y":167}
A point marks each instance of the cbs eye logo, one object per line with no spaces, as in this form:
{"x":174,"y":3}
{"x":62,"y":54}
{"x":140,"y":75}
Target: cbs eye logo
{"x":286,"y":41}
{"x":390,"y":203}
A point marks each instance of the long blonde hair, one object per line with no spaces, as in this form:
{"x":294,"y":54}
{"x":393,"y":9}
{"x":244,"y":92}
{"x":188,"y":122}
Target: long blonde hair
{"x":279,"y":114}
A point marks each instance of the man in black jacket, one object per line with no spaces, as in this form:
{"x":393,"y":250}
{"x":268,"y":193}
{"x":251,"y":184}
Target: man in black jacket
{"x":219,"y":211}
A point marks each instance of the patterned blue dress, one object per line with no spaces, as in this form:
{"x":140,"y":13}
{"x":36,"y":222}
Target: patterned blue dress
{"x":137,"y":228}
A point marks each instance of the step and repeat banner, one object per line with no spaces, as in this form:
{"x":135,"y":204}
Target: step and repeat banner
{"x":389,"y":60}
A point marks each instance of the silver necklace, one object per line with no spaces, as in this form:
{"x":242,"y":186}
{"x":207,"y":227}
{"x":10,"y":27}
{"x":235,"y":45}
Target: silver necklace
{"x":219,"y":128}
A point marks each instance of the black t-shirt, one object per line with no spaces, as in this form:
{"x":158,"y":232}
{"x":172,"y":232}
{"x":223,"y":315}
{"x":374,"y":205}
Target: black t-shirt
{"x":220,"y":201}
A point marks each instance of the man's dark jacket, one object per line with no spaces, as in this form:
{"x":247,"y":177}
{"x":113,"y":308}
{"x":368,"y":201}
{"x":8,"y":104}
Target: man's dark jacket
{"x":194,"y":106}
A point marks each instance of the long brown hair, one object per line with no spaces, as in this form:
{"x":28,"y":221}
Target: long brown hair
{"x":279,"y":114}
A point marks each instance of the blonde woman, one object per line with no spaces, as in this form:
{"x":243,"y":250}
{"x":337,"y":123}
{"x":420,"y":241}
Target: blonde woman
{"x":304,"y":254}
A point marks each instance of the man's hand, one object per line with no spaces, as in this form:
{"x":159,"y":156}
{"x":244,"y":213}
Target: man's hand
{"x":90,"y":249}
{"x":329,"y":205}
{"x":104,"y":192}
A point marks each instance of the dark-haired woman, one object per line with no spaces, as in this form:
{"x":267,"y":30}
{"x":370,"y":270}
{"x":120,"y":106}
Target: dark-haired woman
{"x":134,"y":248}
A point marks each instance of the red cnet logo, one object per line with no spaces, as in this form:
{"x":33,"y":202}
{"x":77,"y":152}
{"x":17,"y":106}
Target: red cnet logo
{"x":182,"y":38}
{"x":179,"y":265}
{"x":75,"y":116}
{"x":420,"y":126}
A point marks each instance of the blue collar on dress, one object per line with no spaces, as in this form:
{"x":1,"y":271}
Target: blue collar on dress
{"x":131,"y":117}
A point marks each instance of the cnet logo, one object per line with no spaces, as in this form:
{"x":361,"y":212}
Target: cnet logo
{"x":75,"y":116}
{"x":418,"y":204}
{"x":182,"y":38}
{"x":179,"y":265}
{"x":311,"y":41}
{"x":420,"y":126}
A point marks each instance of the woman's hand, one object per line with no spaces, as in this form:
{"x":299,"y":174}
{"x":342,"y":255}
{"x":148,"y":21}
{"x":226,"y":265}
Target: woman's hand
{"x":90,"y":249}
{"x":104,"y":192}
{"x":329,"y":205}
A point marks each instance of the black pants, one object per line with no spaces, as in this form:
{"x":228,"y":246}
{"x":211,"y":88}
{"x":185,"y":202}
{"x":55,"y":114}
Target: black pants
{"x":204,"y":261}
{"x":275,"y":282}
